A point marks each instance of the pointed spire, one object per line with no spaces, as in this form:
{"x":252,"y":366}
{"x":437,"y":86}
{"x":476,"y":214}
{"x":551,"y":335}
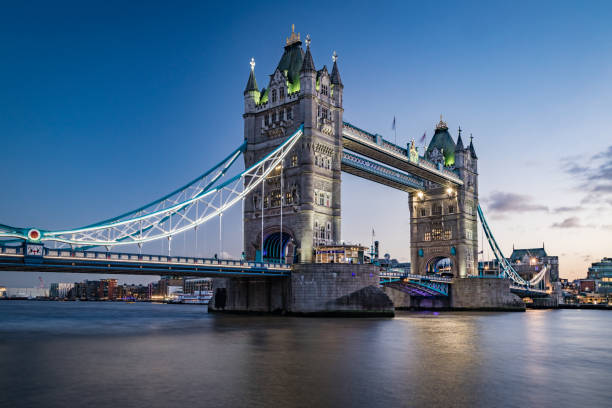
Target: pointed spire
{"x":459,"y":141}
{"x":308,"y":63}
{"x":335,"y":76}
{"x":441,"y":125}
{"x":252,"y":83}
{"x":472,"y":151}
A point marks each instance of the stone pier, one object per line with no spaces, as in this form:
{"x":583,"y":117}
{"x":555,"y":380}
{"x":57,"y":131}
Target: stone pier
{"x":310,"y":290}
{"x":484,"y":294}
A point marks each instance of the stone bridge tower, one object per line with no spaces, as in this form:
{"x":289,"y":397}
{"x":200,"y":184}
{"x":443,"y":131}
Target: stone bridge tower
{"x":309,"y":195}
{"x":443,"y":220}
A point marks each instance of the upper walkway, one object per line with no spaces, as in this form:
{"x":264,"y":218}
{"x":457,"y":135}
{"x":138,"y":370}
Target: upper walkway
{"x":383,"y":151}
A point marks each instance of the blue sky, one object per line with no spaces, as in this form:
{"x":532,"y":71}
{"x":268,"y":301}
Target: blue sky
{"x":106,"y":105}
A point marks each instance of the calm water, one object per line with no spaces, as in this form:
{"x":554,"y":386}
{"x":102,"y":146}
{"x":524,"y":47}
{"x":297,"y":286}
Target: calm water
{"x":56,"y":354}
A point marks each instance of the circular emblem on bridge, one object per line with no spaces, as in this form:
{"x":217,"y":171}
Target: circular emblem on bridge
{"x":34,"y":234}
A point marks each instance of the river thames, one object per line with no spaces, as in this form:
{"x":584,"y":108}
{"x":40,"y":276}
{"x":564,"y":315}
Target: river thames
{"x":56,"y":354}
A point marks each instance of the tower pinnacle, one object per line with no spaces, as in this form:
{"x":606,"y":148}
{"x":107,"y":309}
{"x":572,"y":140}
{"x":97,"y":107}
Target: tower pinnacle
{"x":252,"y":63}
{"x":293,"y":38}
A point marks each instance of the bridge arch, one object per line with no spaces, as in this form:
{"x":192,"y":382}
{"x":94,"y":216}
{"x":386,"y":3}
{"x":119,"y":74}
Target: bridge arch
{"x":441,"y":264}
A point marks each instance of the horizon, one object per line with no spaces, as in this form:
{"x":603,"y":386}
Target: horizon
{"x":143,"y":100}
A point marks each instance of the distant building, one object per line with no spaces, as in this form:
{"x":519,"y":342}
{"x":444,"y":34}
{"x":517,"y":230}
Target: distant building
{"x":165,"y":283}
{"x":107,"y":289}
{"x":60,"y":290}
{"x":26,"y":293}
{"x":601,"y":274}
{"x":197,"y":285}
{"x":527,"y":263}
{"x":586,"y":285}
{"x":341,"y":254}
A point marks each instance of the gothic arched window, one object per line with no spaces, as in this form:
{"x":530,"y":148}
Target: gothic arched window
{"x":273,"y":95}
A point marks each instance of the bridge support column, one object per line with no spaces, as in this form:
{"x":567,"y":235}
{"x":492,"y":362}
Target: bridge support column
{"x":484,"y":294}
{"x":311,"y":290}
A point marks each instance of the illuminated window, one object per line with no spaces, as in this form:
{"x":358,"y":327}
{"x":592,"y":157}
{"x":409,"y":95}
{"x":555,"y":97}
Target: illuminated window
{"x":436,"y":234}
{"x":448,"y":234}
{"x":265,"y":202}
{"x":288,"y":198}
{"x":428,"y":236}
{"x":276,"y":196}
{"x":294,"y":160}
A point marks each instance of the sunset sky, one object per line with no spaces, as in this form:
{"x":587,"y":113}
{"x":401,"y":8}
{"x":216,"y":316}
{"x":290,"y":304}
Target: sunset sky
{"x":106,"y":106}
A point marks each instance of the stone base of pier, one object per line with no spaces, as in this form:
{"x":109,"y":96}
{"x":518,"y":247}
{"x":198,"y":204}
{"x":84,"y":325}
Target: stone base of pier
{"x":465,"y":294}
{"x":310,"y":290}
{"x":484,"y":294}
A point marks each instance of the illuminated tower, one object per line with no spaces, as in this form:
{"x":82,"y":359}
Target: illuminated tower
{"x":309,"y":194}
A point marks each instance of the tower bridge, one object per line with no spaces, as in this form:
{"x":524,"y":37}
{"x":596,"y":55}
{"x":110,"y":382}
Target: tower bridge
{"x":296,"y":146}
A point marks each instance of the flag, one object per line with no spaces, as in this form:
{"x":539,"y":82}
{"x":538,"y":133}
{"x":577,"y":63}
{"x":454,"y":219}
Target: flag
{"x":422,"y":139}
{"x":393,"y":125}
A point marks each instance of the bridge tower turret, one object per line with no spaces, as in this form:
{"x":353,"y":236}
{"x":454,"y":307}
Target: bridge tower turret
{"x":443,"y":232}
{"x":309,"y":194}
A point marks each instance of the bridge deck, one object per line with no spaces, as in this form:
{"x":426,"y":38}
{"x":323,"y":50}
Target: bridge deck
{"x":375,"y":147}
{"x":64,"y":260}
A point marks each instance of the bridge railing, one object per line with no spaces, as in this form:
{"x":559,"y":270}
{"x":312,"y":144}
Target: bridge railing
{"x":11,"y":250}
{"x":397,"y":151}
{"x":402,"y":275}
{"x":52,"y":253}
{"x":383,"y":171}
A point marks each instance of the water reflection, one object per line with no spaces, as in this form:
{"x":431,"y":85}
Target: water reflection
{"x":162,"y":355}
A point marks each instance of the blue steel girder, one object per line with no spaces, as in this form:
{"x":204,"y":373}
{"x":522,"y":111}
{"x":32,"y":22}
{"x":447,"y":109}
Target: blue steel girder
{"x":365,"y":168}
{"x":377,"y":148}
{"x":417,"y":287}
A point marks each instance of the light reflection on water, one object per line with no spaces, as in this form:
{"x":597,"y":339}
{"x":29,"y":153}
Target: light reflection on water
{"x":146,"y":355}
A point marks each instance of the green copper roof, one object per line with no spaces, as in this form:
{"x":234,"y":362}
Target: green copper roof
{"x":290,"y":63}
{"x":443,"y":140}
{"x":252,"y":83}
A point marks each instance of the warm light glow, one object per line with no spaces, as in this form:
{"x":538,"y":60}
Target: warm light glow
{"x":449,"y":191}
{"x":420,"y":194}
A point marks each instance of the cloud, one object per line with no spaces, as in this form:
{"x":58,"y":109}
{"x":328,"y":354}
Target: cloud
{"x":567,"y":209}
{"x":603,"y":155}
{"x":593,"y":178}
{"x":571,"y":222}
{"x":499,"y":201}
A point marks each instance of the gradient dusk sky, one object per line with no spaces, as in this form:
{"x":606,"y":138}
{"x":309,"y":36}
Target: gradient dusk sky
{"x":108,"y":105}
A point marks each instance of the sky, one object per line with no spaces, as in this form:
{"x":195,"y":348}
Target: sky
{"x":108,"y":105}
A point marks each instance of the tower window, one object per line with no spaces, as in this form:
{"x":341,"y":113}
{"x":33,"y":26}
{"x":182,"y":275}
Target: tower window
{"x":437,"y":210}
{"x":273,"y":95}
{"x":281,"y":93}
{"x":451,"y":209}
{"x":423,"y":212}
{"x":324,"y":90}
{"x":267,"y":120}
{"x":294,"y":160}
{"x":275,"y":116}
{"x":289,"y":114}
